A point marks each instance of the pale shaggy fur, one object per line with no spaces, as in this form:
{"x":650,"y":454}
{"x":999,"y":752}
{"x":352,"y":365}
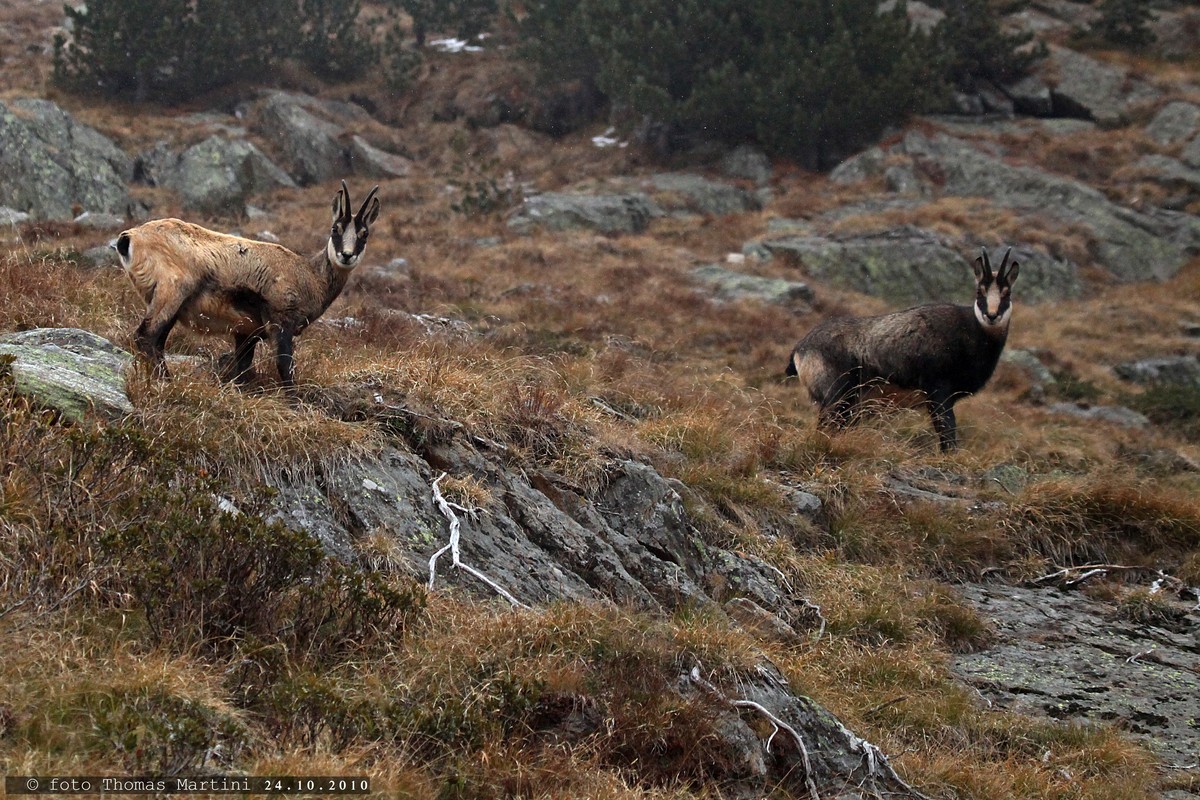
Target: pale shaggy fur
{"x":217,"y":283}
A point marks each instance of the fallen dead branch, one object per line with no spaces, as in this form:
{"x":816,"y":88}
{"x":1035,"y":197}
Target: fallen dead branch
{"x":447,"y":508}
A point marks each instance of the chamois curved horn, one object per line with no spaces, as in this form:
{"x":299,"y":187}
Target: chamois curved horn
{"x":252,"y":290}
{"x":362,"y":211}
{"x":1004,"y":262}
{"x":341,"y":204}
{"x":936,"y":354}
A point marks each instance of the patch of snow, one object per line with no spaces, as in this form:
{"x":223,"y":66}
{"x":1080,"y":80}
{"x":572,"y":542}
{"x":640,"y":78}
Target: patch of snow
{"x":452,"y":45}
{"x":607,"y":139}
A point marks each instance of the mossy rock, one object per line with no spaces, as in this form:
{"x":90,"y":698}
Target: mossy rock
{"x":71,"y":371}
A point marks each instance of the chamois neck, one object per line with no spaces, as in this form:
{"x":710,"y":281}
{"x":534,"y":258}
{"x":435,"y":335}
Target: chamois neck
{"x":333,"y":276}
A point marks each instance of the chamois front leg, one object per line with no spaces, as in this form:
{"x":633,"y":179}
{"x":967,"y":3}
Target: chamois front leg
{"x":941,"y":411}
{"x":284,"y":362}
{"x":150,"y":338}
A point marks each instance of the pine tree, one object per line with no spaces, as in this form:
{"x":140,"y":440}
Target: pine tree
{"x":1125,"y":23}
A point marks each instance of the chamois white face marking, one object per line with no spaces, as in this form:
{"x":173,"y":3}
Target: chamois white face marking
{"x":346,"y":246}
{"x":992,"y":306}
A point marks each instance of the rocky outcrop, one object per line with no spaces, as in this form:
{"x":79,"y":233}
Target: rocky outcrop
{"x":54,"y":167}
{"x":216,"y":176}
{"x":1084,"y":87}
{"x":71,"y":371}
{"x":1062,"y":655}
{"x":730,"y":285}
{"x":1175,"y":123}
{"x":315,"y":139}
{"x":1133,"y":245}
{"x":558,"y":211}
{"x":1177,"y":370}
{"x":699,"y":195}
{"x":909,"y":266}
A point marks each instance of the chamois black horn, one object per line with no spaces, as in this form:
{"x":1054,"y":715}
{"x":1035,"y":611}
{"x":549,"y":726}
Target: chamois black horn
{"x":362,"y":211}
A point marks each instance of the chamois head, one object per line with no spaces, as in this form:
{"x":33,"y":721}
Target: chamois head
{"x":993,"y":306}
{"x":348,"y":237}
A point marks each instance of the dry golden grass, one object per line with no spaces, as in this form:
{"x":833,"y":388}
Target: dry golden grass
{"x":583,"y":348}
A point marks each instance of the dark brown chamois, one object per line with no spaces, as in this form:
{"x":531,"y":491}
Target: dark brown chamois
{"x":936,"y":354}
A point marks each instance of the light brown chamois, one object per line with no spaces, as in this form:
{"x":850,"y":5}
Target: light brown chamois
{"x":216,"y":283}
{"x":938,"y":353}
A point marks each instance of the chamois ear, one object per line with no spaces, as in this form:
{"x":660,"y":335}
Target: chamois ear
{"x":983,"y":268}
{"x":369,"y":210}
{"x":341,"y":205}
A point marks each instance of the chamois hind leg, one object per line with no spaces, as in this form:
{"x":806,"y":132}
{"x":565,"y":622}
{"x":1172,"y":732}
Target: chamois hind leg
{"x":284,"y":362}
{"x":941,"y":411}
{"x":240,"y":367}
{"x":150,"y":338}
{"x":838,"y":404}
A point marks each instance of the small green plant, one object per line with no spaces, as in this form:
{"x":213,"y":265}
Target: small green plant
{"x":1173,"y":406}
{"x":482,"y":191}
{"x":1143,"y":606}
{"x":154,"y":732}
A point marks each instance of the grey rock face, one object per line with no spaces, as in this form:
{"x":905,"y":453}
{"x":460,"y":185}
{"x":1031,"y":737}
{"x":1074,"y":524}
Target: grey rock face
{"x":1133,"y":245}
{"x":1174,"y":123}
{"x":218,"y":175}
{"x":1178,"y":370}
{"x":704,"y":196}
{"x":730,"y":285}
{"x":557,"y":211}
{"x":372,"y":162}
{"x":310,"y":143}
{"x":1062,"y":655}
{"x":750,"y":163}
{"x":50,"y":164}
{"x":1084,"y":87}
{"x":909,"y":266}
{"x":71,"y":371}
{"x":1117,"y":415}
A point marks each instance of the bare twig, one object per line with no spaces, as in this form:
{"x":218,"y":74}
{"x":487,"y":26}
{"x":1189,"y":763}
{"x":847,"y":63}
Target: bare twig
{"x":779,"y":724}
{"x":447,"y":508}
{"x":1073,"y":576}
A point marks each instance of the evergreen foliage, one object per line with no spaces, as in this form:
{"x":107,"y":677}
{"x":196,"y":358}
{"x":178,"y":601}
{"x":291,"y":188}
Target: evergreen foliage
{"x":170,"y":50}
{"x":812,"y":79}
{"x":1124,"y":23}
{"x":332,"y":42}
{"x":466,"y":18}
{"x":974,"y":48}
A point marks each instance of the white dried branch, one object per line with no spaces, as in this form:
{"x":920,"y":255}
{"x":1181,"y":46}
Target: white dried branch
{"x":774,"y":720}
{"x":447,"y":508}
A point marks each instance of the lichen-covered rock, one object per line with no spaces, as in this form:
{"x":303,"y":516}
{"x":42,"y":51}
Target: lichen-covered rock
{"x":53,"y":167}
{"x":1117,"y":415}
{"x":1174,"y":123}
{"x":72,"y":371}
{"x":1084,"y":87}
{"x":730,"y":285}
{"x":907,"y":266}
{"x":1064,"y":656}
{"x":703,"y":196}
{"x":310,"y":143}
{"x":1150,"y":244}
{"x":217,"y":175}
{"x":372,"y":162}
{"x":748,"y":162}
{"x":1179,"y":370}
{"x":558,"y":211}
